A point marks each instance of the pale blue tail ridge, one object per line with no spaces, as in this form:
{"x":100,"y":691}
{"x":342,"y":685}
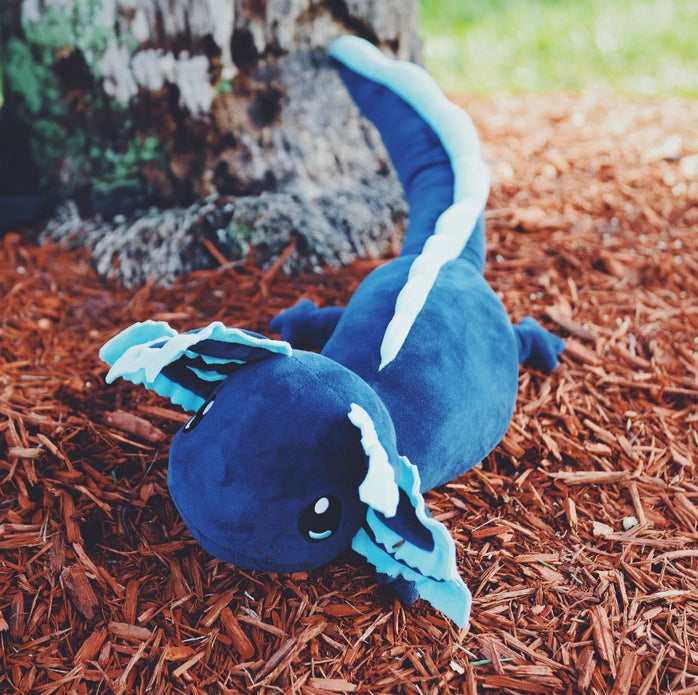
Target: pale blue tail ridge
{"x":330,"y":437}
{"x":436,"y":152}
{"x":434,"y":137}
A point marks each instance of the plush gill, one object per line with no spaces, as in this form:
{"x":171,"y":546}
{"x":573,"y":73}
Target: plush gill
{"x":141,"y":352}
{"x":379,"y":490}
{"x":471,"y":177}
{"x":434,"y":571}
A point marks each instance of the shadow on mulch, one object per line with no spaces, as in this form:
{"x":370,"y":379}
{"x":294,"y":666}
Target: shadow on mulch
{"x":577,"y":535}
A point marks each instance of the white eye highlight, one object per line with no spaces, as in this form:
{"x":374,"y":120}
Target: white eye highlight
{"x":198,"y":417}
{"x":322,"y":505}
{"x":320,"y":536}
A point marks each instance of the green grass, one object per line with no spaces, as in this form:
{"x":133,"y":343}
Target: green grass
{"x":629,"y":46}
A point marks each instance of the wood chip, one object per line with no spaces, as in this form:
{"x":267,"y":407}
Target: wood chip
{"x":591,"y":477}
{"x":333,"y":685}
{"x":81,"y":593}
{"x":133,"y":633}
{"x":626,"y":674}
{"x":135,"y":425}
{"x":18,"y":616}
{"x":571,"y":326}
{"x":577,"y":351}
{"x":603,"y":636}
{"x":24,"y":452}
{"x":91,"y":646}
{"x":233,"y":628}
{"x":586,"y":666}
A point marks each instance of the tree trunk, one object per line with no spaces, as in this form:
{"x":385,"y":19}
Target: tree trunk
{"x":226,"y":113}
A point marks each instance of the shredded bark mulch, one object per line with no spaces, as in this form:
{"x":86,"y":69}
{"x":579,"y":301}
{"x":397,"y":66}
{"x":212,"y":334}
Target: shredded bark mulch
{"x":578,"y":536}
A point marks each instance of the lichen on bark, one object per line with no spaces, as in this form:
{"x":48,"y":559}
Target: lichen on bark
{"x":133,"y":103}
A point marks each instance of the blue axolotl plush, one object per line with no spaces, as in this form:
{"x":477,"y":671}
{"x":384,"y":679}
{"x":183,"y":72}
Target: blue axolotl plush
{"x":295,"y":453}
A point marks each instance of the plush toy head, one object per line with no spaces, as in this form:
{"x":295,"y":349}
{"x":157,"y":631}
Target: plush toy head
{"x":289,"y":458}
{"x":276,"y":463}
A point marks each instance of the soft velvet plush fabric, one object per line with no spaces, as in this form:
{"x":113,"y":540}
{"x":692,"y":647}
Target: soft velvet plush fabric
{"x":292,"y":455}
{"x":275,"y":440}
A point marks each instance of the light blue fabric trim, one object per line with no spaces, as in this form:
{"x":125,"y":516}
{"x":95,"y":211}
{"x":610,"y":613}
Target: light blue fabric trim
{"x":471,"y":177}
{"x":140,"y":353}
{"x":435,"y":573}
{"x":213,"y":360}
{"x":166,"y":388}
{"x":144,"y":332}
{"x":453,"y":598}
{"x":206,"y":375}
{"x":379,"y":489}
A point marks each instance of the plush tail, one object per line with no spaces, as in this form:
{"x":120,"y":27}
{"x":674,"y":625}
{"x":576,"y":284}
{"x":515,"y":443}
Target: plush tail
{"x":432,"y":144}
{"x":436,"y":152}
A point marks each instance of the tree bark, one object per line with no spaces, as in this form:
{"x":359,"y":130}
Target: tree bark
{"x":225,"y":110}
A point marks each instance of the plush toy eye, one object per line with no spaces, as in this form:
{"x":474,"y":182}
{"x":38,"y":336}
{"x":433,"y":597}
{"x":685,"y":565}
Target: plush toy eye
{"x":320,"y":519}
{"x":199,"y":415}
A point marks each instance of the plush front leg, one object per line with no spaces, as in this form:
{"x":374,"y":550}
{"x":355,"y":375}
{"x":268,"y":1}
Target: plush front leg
{"x":404,"y":589}
{"x":306,"y":326}
{"x":537,"y":346}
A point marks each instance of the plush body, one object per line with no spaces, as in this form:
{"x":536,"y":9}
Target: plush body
{"x":293,"y":455}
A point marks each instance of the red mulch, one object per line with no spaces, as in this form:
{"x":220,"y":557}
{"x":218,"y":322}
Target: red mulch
{"x":578,"y":536}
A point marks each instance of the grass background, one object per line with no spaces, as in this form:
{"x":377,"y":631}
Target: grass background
{"x":629,"y":46}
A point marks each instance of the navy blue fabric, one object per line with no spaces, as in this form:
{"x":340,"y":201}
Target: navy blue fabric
{"x":180,"y":372}
{"x":183,"y":370}
{"x":421,"y":162}
{"x":537,"y":347}
{"x":220,"y":349}
{"x":419,"y":158}
{"x":405,"y":590}
{"x":451,"y":391}
{"x":305,"y":326}
{"x":406,"y":524}
{"x":275,"y":439}
{"x":253,"y":473}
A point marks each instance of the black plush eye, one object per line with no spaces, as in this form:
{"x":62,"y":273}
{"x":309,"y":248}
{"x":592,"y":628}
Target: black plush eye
{"x":320,"y":519}
{"x":199,"y":415}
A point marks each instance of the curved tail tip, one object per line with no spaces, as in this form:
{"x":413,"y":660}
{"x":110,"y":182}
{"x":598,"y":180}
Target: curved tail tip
{"x":353,"y":51}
